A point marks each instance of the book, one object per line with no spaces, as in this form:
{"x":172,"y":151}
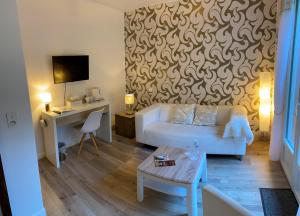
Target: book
{"x":164,"y":163}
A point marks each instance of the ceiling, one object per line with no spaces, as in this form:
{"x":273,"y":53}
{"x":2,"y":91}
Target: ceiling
{"x":127,"y":5}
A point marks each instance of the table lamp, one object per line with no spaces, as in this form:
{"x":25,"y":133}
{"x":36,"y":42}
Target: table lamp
{"x":129,"y":101}
{"x":46,"y":98}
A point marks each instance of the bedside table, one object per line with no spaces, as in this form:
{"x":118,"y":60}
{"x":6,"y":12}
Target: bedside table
{"x":125,"y":125}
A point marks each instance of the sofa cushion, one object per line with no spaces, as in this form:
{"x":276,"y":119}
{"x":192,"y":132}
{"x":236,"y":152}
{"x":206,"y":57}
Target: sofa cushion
{"x":180,"y":135}
{"x":205,"y":115}
{"x":165,"y":112}
{"x":182,"y":114}
{"x":183,"y":131}
{"x":223,"y":114}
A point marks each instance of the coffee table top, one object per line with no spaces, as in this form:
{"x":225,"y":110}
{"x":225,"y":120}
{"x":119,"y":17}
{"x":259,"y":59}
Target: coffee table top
{"x":185,"y":170}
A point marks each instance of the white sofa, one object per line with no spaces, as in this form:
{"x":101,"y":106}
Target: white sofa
{"x":229,"y":137}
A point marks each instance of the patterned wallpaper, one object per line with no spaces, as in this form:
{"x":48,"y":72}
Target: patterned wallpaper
{"x":200,"y":51}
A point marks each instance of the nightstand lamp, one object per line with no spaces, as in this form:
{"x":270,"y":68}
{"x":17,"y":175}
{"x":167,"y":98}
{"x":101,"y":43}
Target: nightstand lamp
{"x":129,"y":101}
{"x":46,"y":98}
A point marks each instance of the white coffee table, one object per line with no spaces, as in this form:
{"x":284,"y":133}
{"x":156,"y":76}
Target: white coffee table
{"x":185,"y":174}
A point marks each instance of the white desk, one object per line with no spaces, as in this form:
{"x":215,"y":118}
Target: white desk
{"x":78,"y":114}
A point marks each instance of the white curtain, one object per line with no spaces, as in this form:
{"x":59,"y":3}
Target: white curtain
{"x":285,"y":36}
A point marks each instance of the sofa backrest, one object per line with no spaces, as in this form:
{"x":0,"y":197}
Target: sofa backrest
{"x":223,"y":114}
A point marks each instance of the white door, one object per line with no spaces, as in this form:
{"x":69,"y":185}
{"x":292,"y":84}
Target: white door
{"x":295,"y":87}
{"x":291,"y":148}
{"x":296,"y":162}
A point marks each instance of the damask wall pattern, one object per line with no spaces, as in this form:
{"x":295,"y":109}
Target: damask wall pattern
{"x":200,"y":51}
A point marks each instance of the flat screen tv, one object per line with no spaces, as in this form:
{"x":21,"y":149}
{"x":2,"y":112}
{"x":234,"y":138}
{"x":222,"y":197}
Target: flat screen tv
{"x":70,"y":68}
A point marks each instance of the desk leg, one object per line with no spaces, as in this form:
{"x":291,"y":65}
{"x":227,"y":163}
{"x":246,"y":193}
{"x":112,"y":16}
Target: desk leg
{"x":192,"y":200}
{"x":140,"y":186}
{"x":51,"y":143}
{"x":204,"y":172}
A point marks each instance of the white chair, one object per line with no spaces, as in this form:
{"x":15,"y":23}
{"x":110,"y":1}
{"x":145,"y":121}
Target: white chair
{"x":216,"y":203}
{"x":91,"y":125}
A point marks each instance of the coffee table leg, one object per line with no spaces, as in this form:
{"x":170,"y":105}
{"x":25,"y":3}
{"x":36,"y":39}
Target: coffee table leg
{"x":140,"y":186}
{"x":192,"y":200}
{"x":204,"y":173}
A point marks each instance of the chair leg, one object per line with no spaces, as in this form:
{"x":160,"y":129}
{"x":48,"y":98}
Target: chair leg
{"x":81,"y":144}
{"x":95,"y":143}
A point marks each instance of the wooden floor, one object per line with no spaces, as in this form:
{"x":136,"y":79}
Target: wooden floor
{"x":106,"y":186}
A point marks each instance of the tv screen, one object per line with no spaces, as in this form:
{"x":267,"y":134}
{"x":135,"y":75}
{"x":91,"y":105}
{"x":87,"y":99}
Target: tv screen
{"x":70,"y":68}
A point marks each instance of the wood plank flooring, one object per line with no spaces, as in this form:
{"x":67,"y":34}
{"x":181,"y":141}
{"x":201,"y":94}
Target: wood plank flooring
{"x":106,"y":185}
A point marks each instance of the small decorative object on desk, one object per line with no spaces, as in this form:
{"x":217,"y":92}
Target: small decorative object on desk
{"x":96,"y":94}
{"x":74,"y":101}
{"x":162,"y":160}
{"x":193,"y":151}
{"x":88,"y":99}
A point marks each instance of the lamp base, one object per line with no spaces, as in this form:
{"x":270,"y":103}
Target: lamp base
{"x":129,"y":113}
{"x":129,"y":109}
{"x":47,"y":107}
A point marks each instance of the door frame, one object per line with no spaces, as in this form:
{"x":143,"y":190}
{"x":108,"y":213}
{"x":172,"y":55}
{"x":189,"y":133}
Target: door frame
{"x":4,"y":199}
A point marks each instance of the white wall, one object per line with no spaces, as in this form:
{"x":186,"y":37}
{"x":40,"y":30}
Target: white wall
{"x":128,"y":5}
{"x":63,"y":27}
{"x":17,"y":144}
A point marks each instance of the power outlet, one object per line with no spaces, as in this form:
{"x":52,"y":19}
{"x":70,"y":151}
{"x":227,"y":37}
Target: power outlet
{"x":11,"y":119}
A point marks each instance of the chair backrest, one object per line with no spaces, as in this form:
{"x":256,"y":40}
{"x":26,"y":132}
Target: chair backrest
{"x":217,"y":203}
{"x":92,"y":123}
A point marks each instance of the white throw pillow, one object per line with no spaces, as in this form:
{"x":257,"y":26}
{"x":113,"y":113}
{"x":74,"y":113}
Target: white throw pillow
{"x":165,"y":110}
{"x":205,"y":115}
{"x":182,"y":114}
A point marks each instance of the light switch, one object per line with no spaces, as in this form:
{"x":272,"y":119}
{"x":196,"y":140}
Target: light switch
{"x":11,"y":119}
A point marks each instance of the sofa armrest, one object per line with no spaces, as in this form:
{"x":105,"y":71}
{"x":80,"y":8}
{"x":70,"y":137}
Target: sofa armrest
{"x":238,"y":125}
{"x":217,"y":203}
{"x":145,"y":117}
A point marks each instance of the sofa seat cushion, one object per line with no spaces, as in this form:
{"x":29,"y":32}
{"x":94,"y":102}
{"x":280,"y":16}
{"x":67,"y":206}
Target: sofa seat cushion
{"x":179,"y":135}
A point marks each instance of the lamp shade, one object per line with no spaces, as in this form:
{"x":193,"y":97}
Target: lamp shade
{"x":46,"y":97}
{"x":129,"y":99}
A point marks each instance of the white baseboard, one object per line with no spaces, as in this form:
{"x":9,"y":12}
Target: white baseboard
{"x":41,"y":155}
{"x":41,"y":212}
{"x":286,"y":171}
